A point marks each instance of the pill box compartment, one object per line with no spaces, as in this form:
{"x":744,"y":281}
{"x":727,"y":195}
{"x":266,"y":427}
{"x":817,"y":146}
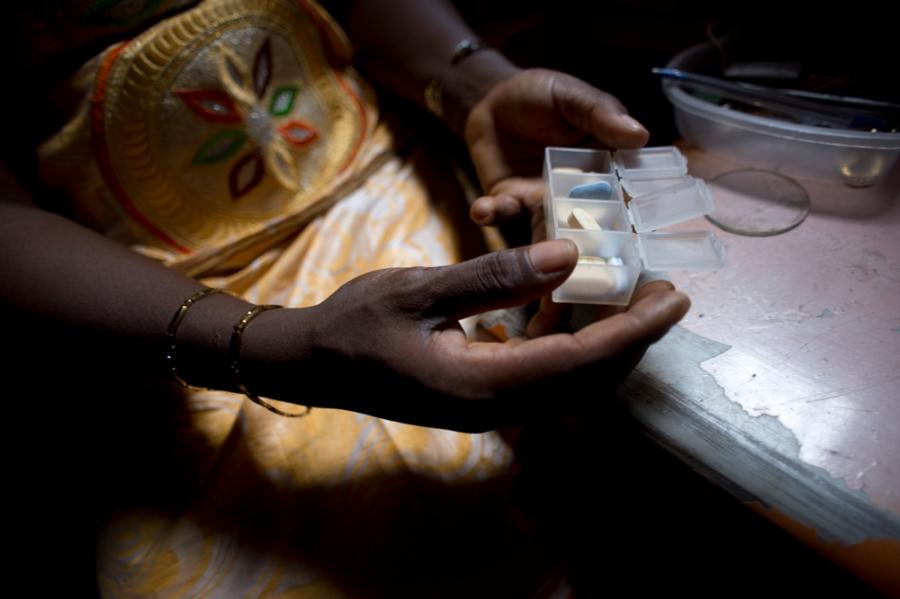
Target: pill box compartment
{"x":660,"y":193}
{"x":650,"y":163}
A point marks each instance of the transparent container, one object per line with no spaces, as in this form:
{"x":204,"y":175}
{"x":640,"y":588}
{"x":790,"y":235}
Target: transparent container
{"x":857,"y":158}
{"x":660,"y":193}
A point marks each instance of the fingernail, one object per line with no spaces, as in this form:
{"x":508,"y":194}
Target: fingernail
{"x":481,"y":211}
{"x":632,"y":124}
{"x":553,"y":256}
{"x":481,"y":219}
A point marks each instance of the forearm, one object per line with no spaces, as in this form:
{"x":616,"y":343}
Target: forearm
{"x":70,"y":294}
{"x":404,"y":44}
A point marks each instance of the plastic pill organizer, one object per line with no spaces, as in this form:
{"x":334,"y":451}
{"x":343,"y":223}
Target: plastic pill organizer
{"x":618,"y":241}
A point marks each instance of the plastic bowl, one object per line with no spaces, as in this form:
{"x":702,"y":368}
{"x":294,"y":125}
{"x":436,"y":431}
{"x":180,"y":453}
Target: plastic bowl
{"x":857,"y":158}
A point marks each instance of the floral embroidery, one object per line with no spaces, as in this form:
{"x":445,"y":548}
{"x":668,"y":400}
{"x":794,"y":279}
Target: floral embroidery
{"x":297,"y":133}
{"x":211,"y":105}
{"x":221,"y":146}
{"x":242,"y":101}
{"x":246,"y":174}
{"x":262,"y":69}
{"x":283,"y":100}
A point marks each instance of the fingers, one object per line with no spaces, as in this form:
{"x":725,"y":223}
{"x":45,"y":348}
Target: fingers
{"x":496,"y":366}
{"x":495,"y":210}
{"x":651,"y":288}
{"x":496,"y":280}
{"x":645,"y":321}
{"x":554,"y":318}
{"x":598,"y":113}
{"x":508,"y":199}
{"x":550,"y":318}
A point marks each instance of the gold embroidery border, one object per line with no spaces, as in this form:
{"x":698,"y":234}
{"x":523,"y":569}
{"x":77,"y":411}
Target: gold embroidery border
{"x":139,"y":80}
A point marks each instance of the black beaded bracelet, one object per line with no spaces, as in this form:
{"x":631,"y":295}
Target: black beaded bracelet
{"x":434,"y":91}
{"x":466,"y":48}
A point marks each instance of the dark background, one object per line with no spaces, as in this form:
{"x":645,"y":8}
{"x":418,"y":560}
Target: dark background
{"x":661,"y":529}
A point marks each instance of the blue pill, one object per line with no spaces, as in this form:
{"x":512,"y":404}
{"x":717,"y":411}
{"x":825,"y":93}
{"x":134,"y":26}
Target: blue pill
{"x":598,"y":190}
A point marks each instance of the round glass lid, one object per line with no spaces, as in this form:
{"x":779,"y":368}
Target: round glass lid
{"x":758,"y":202}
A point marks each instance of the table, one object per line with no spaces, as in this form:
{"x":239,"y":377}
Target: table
{"x":782,"y":384}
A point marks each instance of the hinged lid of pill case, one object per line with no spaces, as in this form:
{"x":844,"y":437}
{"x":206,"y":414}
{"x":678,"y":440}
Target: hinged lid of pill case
{"x":660,"y":193}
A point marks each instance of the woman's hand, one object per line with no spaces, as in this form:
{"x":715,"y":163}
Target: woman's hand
{"x":509,"y":128}
{"x":389,"y":344}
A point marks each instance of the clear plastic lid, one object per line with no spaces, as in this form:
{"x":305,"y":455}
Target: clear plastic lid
{"x":683,"y":201}
{"x":690,"y":250}
{"x":639,"y":187}
{"x":650,"y":163}
{"x":587,"y":161}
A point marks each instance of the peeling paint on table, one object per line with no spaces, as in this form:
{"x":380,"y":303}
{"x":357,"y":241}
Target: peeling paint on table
{"x":783,"y":381}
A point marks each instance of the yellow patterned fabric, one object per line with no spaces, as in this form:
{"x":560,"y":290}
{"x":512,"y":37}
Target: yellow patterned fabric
{"x":333,"y":504}
{"x":234,"y":142}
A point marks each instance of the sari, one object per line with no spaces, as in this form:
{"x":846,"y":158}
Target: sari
{"x":234,"y":142}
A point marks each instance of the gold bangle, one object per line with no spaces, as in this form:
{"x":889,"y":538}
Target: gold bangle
{"x":234,"y":351}
{"x":434,"y":101}
{"x":173,"y":328}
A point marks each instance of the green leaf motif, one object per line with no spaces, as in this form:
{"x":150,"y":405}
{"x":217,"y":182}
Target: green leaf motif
{"x":283,"y":100}
{"x":220,"y":147}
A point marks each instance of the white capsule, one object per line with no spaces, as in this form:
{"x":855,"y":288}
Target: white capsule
{"x":591,"y":260}
{"x":580,"y":219}
{"x":567,"y":170}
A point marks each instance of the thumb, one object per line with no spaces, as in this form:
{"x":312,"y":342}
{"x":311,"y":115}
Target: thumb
{"x":497,"y":280}
{"x":598,"y":113}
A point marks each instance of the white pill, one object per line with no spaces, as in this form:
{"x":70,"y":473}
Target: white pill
{"x":580,"y":219}
{"x":615,"y":261}
{"x":591,"y":260}
{"x":592,"y":282}
{"x":567,"y":169}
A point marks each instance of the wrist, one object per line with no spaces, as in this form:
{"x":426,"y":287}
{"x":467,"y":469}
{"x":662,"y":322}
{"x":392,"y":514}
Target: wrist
{"x":276,"y":354}
{"x":202,"y":342}
{"x":461,"y":86}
